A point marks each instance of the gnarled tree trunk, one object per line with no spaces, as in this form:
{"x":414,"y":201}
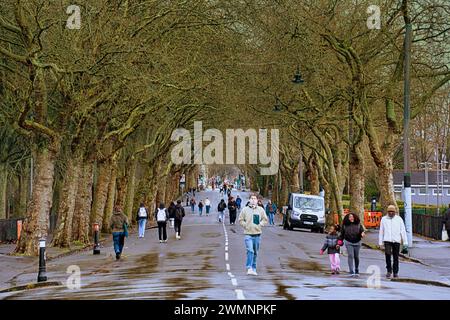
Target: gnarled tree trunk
{"x":109,"y":207}
{"x":3,"y":189}
{"x":35,"y":225}
{"x":100,"y":193}
{"x":80,"y":224}
{"x":63,"y":234}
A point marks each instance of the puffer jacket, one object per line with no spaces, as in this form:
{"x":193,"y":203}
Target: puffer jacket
{"x":330,"y":243}
{"x":249,"y":216}
{"x":352,"y":232}
{"x":117,"y":221}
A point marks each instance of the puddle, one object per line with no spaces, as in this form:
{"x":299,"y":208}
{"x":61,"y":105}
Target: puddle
{"x":302,"y":265}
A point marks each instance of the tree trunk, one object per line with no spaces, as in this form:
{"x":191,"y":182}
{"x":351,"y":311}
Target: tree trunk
{"x":386,"y":183}
{"x":3,"y":189}
{"x":35,"y":225}
{"x":80,"y":225}
{"x":100,"y":193}
{"x":63,"y":233}
{"x":313,"y":175}
{"x":356,"y":182}
{"x":109,"y":207}
{"x":23,"y":194}
{"x":284,"y":192}
{"x":129,"y":200}
{"x":295,"y":184}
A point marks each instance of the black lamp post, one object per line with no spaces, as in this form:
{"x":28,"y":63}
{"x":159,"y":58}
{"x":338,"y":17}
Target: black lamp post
{"x":298,"y":77}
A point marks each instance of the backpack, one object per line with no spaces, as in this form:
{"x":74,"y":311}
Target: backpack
{"x":178,"y":213}
{"x":161,"y":215}
{"x":142,"y":212}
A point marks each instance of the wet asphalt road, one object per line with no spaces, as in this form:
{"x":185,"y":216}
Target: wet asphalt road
{"x":209,"y":263}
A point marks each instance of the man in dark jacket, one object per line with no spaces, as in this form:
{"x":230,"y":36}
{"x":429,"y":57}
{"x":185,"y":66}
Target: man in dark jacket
{"x":447,"y":221}
{"x":232,"y":208}
{"x":179,"y":215}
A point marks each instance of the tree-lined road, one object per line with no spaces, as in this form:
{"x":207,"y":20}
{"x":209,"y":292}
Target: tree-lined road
{"x":198,"y":267}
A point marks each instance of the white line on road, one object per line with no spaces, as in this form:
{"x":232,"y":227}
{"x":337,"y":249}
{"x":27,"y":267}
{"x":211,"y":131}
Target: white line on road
{"x":226,"y":256}
{"x":228,"y":267}
{"x":234,"y":282}
{"x":230,"y":275}
{"x":226,"y":248}
{"x":240,"y":294}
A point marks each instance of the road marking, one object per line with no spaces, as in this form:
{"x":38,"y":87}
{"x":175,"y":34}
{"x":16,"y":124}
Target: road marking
{"x":228,"y":266}
{"x":226,"y":248}
{"x":234,"y":282}
{"x":226,"y":256}
{"x":240,"y":294}
{"x":230,"y":275}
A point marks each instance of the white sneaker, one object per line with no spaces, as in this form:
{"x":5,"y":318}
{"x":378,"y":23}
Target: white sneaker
{"x":254,"y":273}
{"x":165,"y":241}
{"x":249,"y":271}
{"x":160,"y":241}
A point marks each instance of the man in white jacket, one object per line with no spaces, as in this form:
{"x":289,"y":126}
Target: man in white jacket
{"x":392,"y":235}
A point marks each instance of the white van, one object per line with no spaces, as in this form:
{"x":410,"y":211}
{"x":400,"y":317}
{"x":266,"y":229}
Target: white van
{"x":305,"y":211}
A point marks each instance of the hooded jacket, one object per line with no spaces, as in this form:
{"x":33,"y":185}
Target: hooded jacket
{"x":252,"y":219}
{"x":117,"y":221}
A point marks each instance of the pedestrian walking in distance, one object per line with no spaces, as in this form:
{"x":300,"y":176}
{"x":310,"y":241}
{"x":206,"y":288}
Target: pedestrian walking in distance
{"x":221,"y":208}
{"x":179,"y":215}
{"x":141,"y":218}
{"x":446,"y":221}
{"x":252,"y":219}
{"x":162,"y":216}
{"x":392,"y":234}
{"x":193,"y":203}
{"x":271,"y":209}
{"x":238,"y":202}
{"x":352,"y":233}
{"x":200,"y":208}
{"x":260,"y":203}
{"x":171,"y":211}
{"x":232,"y":208}
{"x":119,"y":229}
{"x":207,"y":206}
{"x":332,"y":245}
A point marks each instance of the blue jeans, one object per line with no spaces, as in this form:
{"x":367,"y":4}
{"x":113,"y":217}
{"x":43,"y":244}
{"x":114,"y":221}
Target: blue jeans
{"x":207,"y":209}
{"x":192,"y":208}
{"x":142,"y":223}
{"x":200,"y":211}
{"x":221,"y":216}
{"x":271,"y":216}
{"x":119,"y":241}
{"x":252,"y":246}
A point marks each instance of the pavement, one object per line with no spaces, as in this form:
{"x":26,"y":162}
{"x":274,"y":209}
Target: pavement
{"x":209,"y":263}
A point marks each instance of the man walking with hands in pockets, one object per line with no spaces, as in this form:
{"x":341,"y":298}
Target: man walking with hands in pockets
{"x":392,"y":235}
{"x":252,"y":219}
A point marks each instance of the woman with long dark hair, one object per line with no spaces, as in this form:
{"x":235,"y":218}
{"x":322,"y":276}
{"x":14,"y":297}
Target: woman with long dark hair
{"x":352,"y":233}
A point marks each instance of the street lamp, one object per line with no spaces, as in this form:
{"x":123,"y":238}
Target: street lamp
{"x":298,"y":77}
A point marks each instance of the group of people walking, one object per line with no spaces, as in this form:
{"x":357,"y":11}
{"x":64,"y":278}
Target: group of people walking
{"x":392,"y":235}
{"x":119,"y":223}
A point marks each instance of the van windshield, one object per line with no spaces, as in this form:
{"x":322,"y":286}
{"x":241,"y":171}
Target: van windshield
{"x":308,"y":203}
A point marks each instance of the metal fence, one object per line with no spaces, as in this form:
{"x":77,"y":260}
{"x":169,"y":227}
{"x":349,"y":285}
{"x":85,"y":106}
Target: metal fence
{"x":8,"y":228}
{"x":427,"y":225}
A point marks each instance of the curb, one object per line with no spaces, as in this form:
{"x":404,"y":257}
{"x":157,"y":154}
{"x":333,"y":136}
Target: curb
{"x":33,"y":285}
{"x":375,"y":247}
{"x":424,"y":282}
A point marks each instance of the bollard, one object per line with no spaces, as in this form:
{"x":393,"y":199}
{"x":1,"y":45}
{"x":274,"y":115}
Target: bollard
{"x":96,"y":244}
{"x":42,"y":270}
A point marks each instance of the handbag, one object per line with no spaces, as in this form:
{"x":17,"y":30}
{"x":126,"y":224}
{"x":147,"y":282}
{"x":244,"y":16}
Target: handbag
{"x":444,"y":234}
{"x":125,"y":229}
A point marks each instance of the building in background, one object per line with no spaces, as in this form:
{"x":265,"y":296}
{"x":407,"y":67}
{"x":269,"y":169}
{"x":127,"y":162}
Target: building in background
{"x":438,"y":187}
